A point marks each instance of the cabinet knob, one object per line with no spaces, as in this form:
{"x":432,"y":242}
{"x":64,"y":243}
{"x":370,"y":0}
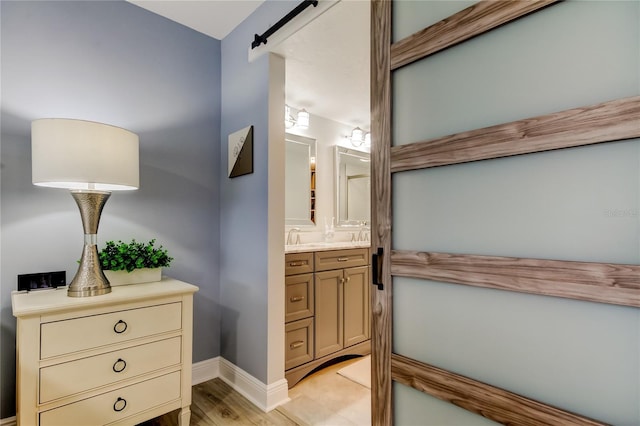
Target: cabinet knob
{"x":120,"y":404}
{"x":296,"y":344}
{"x":296,"y":298}
{"x":120,"y":327}
{"x":119,"y":365}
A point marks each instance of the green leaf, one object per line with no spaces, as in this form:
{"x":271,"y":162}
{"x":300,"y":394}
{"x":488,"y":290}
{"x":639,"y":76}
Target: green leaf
{"x":133,"y":255}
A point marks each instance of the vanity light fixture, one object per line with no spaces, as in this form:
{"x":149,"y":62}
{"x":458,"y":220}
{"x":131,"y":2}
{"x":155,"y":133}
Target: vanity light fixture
{"x":289,"y":121}
{"x":359,"y":137}
{"x":301,"y":121}
{"x":90,"y":159}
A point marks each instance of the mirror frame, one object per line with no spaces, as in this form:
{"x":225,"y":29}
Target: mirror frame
{"x":341,"y":150}
{"x":311,"y":143}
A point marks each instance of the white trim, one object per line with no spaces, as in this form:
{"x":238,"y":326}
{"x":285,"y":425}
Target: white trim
{"x":205,"y":370}
{"x":275,"y":225}
{"x":265,"y":397}
{"x":9,"y":421}
{"x":291,"y":28}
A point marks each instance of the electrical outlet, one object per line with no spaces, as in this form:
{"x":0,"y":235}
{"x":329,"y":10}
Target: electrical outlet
{"x":42,"y":280}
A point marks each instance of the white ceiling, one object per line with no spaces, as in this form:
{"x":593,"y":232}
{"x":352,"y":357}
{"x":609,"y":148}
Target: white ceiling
{"x":215,"y":18}
{"x":327,"y":61}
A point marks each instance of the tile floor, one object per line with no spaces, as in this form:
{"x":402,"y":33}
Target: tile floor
{"x":328,"y":399}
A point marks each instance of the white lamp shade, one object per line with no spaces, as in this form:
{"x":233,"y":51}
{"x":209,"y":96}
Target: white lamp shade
{"x":78,"y":154}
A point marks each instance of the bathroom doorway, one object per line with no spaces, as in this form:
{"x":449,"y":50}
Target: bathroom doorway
{"x":327,"y":75}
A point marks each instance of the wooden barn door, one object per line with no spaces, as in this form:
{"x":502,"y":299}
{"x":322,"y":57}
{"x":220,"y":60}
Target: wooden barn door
{"x":506,"y":212}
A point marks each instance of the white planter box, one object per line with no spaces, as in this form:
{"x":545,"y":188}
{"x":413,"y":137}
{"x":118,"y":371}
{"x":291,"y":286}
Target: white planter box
{"x":137,"y":276}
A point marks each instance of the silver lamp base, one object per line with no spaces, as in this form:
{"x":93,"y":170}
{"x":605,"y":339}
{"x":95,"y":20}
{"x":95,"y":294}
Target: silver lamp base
{"x":89,"y":280}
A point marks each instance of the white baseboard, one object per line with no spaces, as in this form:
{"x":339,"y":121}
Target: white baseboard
{"x":9,"y":421}
{"x":265,"y":397}
{"x":205,"y":370}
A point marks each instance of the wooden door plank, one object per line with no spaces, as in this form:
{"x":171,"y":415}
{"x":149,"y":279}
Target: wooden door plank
{"x":381,"y":307}
{"x":605,"y":122}
{"x":489,"y":401}
{"x":595,"y":282}
{"x":470,"y":22}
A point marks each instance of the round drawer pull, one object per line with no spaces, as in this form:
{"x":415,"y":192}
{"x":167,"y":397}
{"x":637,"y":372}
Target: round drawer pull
{"x":120,"y":404}
{"x":119,"y":365}
{"x":296,"y":298}
{"x":297,"y":344}
{"x":120,"y":327}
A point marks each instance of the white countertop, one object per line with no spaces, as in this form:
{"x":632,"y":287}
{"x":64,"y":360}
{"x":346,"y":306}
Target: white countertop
{"x":320,"y":246}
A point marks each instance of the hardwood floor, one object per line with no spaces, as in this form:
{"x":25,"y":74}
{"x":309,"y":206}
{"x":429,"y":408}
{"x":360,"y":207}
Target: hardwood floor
{"x":216,"y":403}
{"x":323,"y":398}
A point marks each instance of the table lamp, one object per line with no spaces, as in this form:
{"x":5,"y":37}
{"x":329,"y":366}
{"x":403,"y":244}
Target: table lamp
{"x":90,"y":159}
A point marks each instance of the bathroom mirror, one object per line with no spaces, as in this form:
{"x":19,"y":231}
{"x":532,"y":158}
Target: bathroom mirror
{"x":353,"y":184}
{"x":299,"y":176}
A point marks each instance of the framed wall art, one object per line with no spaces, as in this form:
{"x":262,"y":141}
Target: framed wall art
{"x":241,"y":152}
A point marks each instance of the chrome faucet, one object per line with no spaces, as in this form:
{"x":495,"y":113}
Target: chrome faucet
{"x":290,"y":234}
{"x":362,"y":234}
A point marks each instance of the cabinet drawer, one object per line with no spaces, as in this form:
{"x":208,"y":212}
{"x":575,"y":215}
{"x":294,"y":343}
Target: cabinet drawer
{"x":299,"y":297}
{"x":299,"y":343}
{"x":68,"y":336}
{"x":70,"y":378}
{"x":116,"y":405}
{"x":338,"y":259}
{"x":298,"y":263}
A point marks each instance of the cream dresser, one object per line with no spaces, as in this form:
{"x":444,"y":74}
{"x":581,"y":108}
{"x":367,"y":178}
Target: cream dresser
{"x":120,"y":358}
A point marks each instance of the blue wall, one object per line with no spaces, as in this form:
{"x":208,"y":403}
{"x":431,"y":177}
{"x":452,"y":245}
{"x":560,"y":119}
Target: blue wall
{"x":116,"y":63}
{"x":244,"y":200}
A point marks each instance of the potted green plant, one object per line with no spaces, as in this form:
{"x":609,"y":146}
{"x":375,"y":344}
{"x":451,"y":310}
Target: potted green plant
{"x":134,"y":262}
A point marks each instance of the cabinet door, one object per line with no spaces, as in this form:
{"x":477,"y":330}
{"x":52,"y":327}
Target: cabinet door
{"x":356,"y":305}
{"x":329,"y":312}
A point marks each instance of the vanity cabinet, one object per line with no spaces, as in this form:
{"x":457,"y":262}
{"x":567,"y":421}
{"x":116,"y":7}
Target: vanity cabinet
{"x":118,"y":358}
{"x":327,"y":312}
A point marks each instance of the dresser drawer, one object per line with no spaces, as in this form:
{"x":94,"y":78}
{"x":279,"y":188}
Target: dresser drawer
{"x":299,"y":343}
{"x":338,"y":259}
{"x":68,"y":336}
{"x":115,"y":405}
{"x":298,"y":297}
{"x":70,"y":378}
{"x":298,"y":263}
